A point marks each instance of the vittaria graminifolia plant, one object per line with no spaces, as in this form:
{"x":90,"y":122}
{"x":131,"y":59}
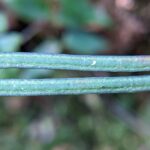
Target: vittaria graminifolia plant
{"x":21,"y":87}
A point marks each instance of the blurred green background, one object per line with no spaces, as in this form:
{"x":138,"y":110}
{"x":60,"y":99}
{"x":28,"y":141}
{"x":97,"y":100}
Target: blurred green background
{"x":83,"y":122}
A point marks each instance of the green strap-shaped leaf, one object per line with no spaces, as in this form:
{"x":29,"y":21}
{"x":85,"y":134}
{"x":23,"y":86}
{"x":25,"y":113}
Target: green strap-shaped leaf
{"x":75,"y":62}
{"x":20,"y":87}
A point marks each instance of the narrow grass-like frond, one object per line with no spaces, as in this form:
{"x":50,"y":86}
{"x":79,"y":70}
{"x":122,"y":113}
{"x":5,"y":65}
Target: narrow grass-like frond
{"x":22,"y":87}
{"x":75,"y":62}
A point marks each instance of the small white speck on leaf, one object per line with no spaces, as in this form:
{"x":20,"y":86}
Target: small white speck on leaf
{"x":93,"y":63}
